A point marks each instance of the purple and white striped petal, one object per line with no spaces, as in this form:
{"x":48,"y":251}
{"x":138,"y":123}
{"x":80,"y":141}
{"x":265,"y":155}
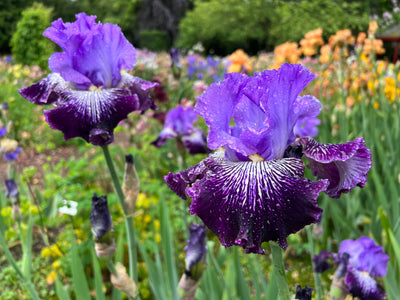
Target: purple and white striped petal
{"x":92,"y":114}
{"x":248,"y":203}
{"x":361,"y":284}
{"x":344,"y":165}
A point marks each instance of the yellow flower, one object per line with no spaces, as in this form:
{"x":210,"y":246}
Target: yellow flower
{"x":158,"y":238}
{"x":52,"y":251}
{"x":51,"y":277}
{"x":157,"y":225}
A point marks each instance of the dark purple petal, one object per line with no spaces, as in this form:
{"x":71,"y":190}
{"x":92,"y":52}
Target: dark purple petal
{"x":321,"y":261}
{"x":178,"y":182}
{"x":12,"y":190}
{"x":344,"y":165}
{"x":248,"y":203}
{"x":303,"y":294}
{"x":361,"y":284}
{"x":196,"y":248}
{"x":94,"y":54}
{"x":366,"y":256}
{"x":100,"y":218}
{"x":92,"y":115}
{"x":46,"y":91}
{"x":196,"y":142}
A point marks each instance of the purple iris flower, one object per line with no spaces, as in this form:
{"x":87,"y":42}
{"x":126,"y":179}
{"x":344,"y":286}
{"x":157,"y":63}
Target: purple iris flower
{"x":100,"y":218}
{"x":367,"y":260}
{"x":12,"y":190}
{"x":196,"y":248}
{"x":179,"y":124}
{"x":13,"y":155}
{"x":91,"y":92}
{"x":253,"y":189}
{"x":3,"y":131}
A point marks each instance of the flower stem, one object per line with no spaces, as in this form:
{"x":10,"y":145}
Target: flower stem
{"x":279,"y":269}
{"x":317,"y":277}
{"x":130,"y":230}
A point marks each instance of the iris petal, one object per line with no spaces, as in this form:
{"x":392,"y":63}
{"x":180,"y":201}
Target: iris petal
{"x":92,"y":115}
{"x":247,"y":203}
{"x":361,"y":284}
{"x":344,"y":165}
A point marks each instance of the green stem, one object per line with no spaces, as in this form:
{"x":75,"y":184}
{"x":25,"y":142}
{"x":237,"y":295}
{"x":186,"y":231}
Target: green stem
{"x":279,"y":269}
{"x":317,"y":277}
{"x":130,"y":230}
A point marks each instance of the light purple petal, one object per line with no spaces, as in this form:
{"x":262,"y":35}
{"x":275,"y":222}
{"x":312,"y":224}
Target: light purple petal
{"x":362,"y":285}
{"x":12,"y":190}
{"x":94,"y":54}
{"x":344,"y":165}
{"x":257,"y":115}
{"x":216,"y":105}
{"x":306,"y":126}
{"x":3,"y":131}
{"x":196,"y":248}
{"x":366,"y":255}
{"x":248,"y":203}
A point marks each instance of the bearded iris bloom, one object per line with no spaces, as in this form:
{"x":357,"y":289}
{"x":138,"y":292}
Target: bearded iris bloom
{"x":367,"y":261}
{"x":89,"y":87}
{"x":364,"y":260}
{"x":179,"y":124}
{"x":253,"y":189}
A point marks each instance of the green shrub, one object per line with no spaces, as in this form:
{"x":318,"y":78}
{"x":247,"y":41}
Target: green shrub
{"x":28,"y":45}
{"x":154,"y":40}
{"x":292,"y":20}
{"x":223,"y":26}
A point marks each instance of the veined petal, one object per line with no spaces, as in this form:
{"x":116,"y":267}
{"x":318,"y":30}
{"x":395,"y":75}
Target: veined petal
{"x":248,"y":203}
{"x":92,"y":115}
{"x":361,"y":284}
{"x":344,"y":165}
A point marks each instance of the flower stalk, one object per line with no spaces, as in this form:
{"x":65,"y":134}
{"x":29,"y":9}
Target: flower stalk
{"x":317,"y":277}
{"x":279,"y":269}
{"x":130,"y":230}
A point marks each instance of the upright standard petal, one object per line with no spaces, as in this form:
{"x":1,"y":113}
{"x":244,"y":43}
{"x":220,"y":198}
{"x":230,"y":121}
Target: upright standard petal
{"x":257,"y":115}
{"x":94,"y":54}
{"x":344,"y":165}
{"x":248,"y":203}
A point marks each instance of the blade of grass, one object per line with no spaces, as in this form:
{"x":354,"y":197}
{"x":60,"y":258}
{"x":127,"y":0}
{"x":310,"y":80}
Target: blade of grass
{"x":98,"y":281}
{"x":79,"y":281}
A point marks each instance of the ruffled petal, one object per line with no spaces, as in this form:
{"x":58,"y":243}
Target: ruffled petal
{"x":92,"y":115}
{"x":47,"y":91}
{"x":257,"y":115}
{"x":216,"y":105}
{"x":180,"y":181}
{"x":248,"y":203}
{"x":361,"y":284}
{"x":94,"y":53}
{"x":344,"y":165}
{"x":366,"y":255}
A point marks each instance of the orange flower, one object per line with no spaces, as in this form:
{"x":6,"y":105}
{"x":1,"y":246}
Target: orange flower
{"x":341,"y":38}
{"x":312,"y":39}
{"x":373,"y":26}
{"x":239,"y":61}
{"x":325,"y":54}
{"x":361,"y":38}
{"x":287,"y":52}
